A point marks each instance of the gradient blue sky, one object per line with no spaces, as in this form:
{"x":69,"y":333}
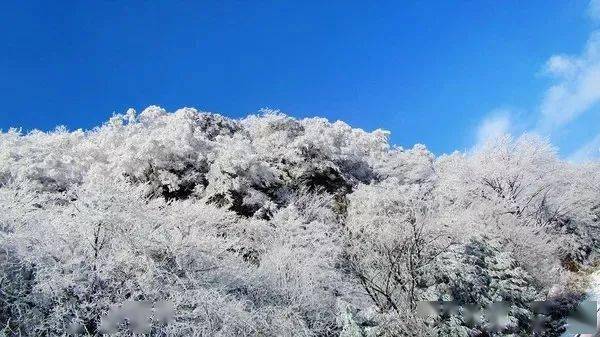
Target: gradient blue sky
{"x":441,"y":73}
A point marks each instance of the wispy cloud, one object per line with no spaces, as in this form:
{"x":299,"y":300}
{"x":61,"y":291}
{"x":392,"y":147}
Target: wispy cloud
{"x":589,"y":151}
{"x":574,"y":92}
{"x":594,"y":9}
{"x":577,"y":88}
{"x":562,"y":66}
{"x":495,"y":125}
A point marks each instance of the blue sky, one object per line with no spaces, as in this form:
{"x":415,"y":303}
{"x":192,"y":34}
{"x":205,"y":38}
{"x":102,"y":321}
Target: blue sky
{"x":442,"y":73}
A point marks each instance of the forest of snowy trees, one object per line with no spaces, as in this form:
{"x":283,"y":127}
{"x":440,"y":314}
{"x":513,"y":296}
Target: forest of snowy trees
{"x":194,"y":224}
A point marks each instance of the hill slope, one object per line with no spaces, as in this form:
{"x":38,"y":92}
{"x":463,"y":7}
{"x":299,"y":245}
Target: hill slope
{"x":191,"y":223}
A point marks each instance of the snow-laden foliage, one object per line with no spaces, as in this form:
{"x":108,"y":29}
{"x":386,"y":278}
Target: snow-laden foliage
{"x":194,"y":224}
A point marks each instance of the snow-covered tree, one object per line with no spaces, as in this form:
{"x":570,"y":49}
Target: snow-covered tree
{"x":191,"y":223}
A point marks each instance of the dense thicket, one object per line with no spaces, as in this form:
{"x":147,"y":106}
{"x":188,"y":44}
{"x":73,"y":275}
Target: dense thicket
{"x":191,"y":223}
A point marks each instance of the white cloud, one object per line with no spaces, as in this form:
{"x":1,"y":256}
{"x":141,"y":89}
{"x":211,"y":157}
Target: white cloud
{"x":589,"y":151}
{"x":594,"y":9}
{"x":497,"y":124}
{"x":577,"y":89}
{"x":561,"y":66}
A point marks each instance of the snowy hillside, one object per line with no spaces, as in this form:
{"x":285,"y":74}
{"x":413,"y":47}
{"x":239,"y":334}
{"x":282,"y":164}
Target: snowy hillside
{"x":193,"y":224}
